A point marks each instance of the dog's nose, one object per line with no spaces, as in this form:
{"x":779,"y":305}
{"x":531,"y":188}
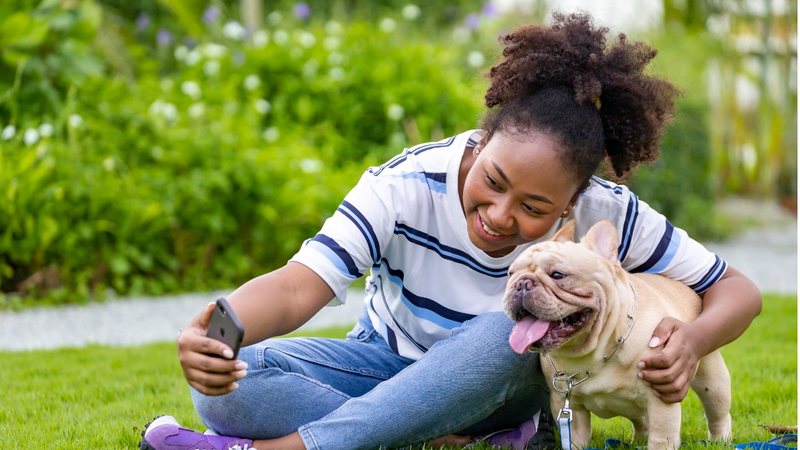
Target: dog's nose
{"x":524,"y":285}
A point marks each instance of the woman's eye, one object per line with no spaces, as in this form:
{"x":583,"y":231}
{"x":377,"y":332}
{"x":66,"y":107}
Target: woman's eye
{"x":491,"y":181}
{"x":532,"y":210}
{"x":557,"y":275}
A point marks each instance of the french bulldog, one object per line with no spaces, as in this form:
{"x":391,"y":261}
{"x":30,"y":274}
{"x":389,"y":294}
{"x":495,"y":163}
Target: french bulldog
{"x":591,"y":321}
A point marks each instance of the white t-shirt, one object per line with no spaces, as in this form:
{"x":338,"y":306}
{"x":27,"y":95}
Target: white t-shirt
{"x":403,"y":222}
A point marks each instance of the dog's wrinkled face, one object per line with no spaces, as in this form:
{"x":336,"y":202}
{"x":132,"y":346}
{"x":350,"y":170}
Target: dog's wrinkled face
{"x":556,"y":290}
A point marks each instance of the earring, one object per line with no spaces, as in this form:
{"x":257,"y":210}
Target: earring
{"x":477,"y":151}
{"x":565,"y":213}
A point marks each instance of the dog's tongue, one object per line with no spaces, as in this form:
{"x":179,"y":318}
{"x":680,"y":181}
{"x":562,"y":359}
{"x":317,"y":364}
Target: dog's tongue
{"x":526,"y":332}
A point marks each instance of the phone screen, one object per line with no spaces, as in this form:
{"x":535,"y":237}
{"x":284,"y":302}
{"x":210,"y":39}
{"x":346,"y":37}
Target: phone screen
{"x":225,"y":327}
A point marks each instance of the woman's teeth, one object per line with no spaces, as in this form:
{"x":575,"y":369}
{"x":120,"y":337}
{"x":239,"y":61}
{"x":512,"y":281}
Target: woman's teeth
{"x":489,"y":230}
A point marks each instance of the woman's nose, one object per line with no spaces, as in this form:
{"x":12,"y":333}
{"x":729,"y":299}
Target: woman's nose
{"x":499,"y":214}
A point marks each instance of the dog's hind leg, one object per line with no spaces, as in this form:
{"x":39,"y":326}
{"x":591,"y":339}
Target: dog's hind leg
{"x":712,"y":383}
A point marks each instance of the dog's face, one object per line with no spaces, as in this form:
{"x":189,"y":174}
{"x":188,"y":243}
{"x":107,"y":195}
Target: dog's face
{"x":557,"y":290}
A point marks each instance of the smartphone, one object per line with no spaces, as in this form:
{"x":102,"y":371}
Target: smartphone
{"x":225,"y":327}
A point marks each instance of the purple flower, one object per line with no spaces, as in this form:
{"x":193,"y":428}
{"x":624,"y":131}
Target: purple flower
{"x":472,"y":21}
{"x":142,"y":22}
{"x":163,"y":37}
{"x":489,"y":10}
{"x":302,"y":10}
{"x":211,"y":14}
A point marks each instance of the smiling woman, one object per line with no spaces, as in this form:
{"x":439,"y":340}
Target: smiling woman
{"x":436,"y":228}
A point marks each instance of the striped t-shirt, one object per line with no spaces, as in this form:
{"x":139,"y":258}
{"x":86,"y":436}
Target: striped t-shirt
{"x":403,"y":224}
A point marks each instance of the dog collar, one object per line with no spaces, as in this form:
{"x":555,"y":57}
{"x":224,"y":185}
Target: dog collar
{"x":563,"y":382}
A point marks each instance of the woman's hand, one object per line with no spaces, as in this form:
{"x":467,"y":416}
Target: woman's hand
{"x":210,"y":375}
{"x":671,"y":367}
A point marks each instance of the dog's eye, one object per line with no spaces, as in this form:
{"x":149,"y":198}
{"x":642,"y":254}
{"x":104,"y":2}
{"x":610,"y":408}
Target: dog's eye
{"x":557,"y":275}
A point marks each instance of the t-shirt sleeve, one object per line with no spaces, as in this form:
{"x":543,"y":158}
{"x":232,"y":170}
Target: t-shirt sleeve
{"x":651,"y":244}
{"x":351,"y":240}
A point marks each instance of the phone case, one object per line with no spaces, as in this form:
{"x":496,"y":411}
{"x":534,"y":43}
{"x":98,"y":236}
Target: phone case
{"x":225,"y":327}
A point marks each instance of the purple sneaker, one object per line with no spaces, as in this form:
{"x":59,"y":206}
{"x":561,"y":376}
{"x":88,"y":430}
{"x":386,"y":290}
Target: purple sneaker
{"x":164,"y":433}
{"x":535,"y":433}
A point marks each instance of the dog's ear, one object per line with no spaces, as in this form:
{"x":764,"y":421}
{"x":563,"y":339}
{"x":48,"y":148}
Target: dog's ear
{"x":566,"y":233}
{"x":602,"y":238}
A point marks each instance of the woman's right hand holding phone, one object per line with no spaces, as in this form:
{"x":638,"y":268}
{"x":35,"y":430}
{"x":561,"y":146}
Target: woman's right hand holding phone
{"x":210,"y":375}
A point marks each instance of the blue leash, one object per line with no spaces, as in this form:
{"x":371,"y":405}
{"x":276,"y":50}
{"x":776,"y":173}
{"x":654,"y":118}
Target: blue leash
{"x":782,"y":442}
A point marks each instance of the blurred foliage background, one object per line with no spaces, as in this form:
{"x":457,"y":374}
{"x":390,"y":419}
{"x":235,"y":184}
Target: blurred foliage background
{"x":156,"y":146}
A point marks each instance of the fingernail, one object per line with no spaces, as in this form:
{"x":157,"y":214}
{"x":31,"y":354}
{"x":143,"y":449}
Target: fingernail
{"x":240,"y":365}
{"x":235,"y":386}
{"x":240,"y":374}
{"x":654,"y":342}
{"x":639,"y":374}
{"x":227,"y":353}
{"x":640,"y":365}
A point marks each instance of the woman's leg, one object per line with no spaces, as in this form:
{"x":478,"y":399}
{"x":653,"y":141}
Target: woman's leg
{"x":291,"y":382}
{"x":471,"y":381}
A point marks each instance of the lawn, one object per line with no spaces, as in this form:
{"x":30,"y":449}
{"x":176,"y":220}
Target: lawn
{"x":100,"y":397}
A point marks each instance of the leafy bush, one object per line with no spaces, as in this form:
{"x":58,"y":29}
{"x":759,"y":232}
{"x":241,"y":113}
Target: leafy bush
{"x":203,"y":176}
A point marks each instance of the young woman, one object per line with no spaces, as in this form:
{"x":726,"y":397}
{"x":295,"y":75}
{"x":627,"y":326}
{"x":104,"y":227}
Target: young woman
{"x":436,"y":227}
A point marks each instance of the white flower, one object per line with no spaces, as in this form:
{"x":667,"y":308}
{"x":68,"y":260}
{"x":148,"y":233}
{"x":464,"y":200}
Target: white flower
{"x":335,"y":59}
{"x":31,"y":136}
{"x":8,"y":132}
{"x":260,"y":38}
{"x":310,"y":165}
{"x":387,"y":25}
{"x":170,"y":112}
{"x":281,"y":37}
{"x":461,"y":35}
{"x":395,"y":112}
{"x":109,"y":164}
{"x":234,"y":30}
{"x":252,"y":82}
{"x":214,"y":51}
{"x":331,"y":43}
{"x":193,"y":57}
{"x":411,"y":12}
{"x":336,"y":73}
{"x":306,"y":39}
{"x":271,"y":134}
{"x":46,"y":130}
{"x":211,"y":68}
{"x":310,"y":68}
{"x":196,"y":110}
{"x":476,"y":59}
{"x":181,"y":52}
{"x":75,"y":121}
{"x":333,"y":27}
{"x":274,"y":18}
{"x":263,"y":106}
{"x":191,"y":88}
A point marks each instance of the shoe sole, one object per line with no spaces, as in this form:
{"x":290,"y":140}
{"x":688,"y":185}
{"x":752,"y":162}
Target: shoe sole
{"x":143,"y":444}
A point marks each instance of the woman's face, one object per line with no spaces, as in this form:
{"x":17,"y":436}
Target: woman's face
{"x":514,"y":191}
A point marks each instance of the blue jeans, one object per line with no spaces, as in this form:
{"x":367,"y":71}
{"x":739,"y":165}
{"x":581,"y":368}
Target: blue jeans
{"x":357,"y":393}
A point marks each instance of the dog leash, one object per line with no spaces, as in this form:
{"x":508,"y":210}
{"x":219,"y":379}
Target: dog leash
{"x":564,"y":383}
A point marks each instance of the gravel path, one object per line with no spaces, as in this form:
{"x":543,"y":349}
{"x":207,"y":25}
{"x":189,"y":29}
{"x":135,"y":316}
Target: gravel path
{"x":767,"y":254}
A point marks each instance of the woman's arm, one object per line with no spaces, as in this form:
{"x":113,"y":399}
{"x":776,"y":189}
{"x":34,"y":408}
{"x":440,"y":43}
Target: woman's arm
{"x":269,"y":305}
{"x":729,"y":306}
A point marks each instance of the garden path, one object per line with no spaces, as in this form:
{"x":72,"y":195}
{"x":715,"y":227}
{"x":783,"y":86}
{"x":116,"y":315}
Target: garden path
{"x":767,"y":253}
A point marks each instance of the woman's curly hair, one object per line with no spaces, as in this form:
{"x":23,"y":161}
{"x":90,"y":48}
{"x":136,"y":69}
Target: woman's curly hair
{"x":561,"y":79}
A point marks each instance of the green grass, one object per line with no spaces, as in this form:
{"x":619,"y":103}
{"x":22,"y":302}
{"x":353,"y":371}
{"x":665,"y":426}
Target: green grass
{"x":100,"y":397}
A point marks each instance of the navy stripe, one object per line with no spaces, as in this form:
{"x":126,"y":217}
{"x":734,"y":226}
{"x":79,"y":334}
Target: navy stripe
{"x":364,"y":226}
{"x":711,"y":277}
{"x":391,"y":339}
{"x":396,"y":161}
{"x":340,"y":252}
{"x":603,"y":183}
{"x":449,"y":253}
{"x":658,"y":253}
{"x":440,"y":177}
{"x":427,"y":303}
{"x":631,"y":215}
